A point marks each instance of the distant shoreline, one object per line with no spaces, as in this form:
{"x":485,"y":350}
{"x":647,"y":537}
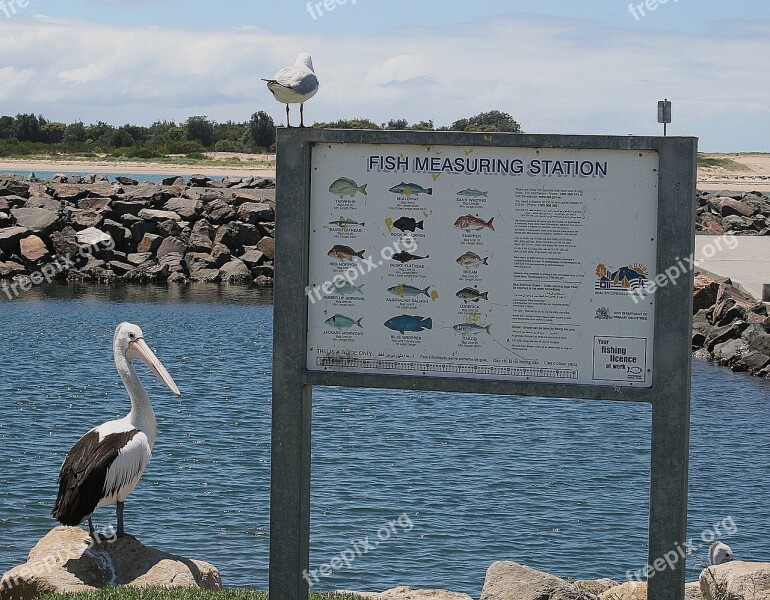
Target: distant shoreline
{"x":84,"y":166}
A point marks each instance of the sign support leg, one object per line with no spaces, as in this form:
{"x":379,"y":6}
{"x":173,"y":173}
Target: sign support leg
{"x":290,"y":489}
{"x":668,"y":498}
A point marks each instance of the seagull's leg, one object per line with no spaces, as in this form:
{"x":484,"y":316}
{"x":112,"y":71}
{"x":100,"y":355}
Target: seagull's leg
{"x":91,"y":531}
{"x":302,"y":114}
{"x":287,"y":116}
{"x":119,"y":510}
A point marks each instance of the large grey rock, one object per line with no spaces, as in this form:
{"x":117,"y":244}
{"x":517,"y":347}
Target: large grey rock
{"x":219,"y":212}
{"x":65,"y":242}
{"x":508,"y":580}
{"x":186,"y":208}
{"x":86,"y":218}
{"x":35,"y":219}
{"x":637,"y":590}
{"x":93,"y":237}
{"x":67,"y":561}
{"x":235,"y":272}
{"x":256,"y":212}
{"x":149,"y":243}
{"x":169,"y":245}
{"x":236,"y":235}
{"x":407,"y":593}
{"x":267,"y":246}
{"x":158,"y":216}
{"x":744,"y":580}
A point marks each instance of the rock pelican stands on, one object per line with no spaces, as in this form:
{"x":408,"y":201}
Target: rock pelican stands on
{"x":295,"y":85}
{"x":105,"y":465}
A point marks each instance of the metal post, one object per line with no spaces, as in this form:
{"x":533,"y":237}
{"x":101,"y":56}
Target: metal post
{"x":292,"y":397}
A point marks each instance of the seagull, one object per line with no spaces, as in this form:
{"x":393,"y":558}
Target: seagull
{"x":719,"y":553}
{"x":295,"y":85}
{"x":104,"y":466}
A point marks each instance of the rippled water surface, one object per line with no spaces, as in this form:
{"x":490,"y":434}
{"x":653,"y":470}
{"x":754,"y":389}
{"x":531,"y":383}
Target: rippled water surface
{"x":559,"y":485}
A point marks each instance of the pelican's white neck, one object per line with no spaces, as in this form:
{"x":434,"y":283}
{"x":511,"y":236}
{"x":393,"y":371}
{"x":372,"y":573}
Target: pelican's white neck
{"x":141,"y":416}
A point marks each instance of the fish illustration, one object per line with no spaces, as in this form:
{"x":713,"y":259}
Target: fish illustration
{"x":472,"y":193}
{"x":346,"y":187}
{"x":407,"y":224}
{"x":404,"y":257}
{"x":342,"y":322}
{"x":471,"y":259}
{"x":348,"y":288}
{"x":471,"y":328}
{"x":471,"y":294}
{"x":344,"y":252}
{"x":404,"y":323}
{"x":473,"y":222}
{"x":345,"y":223}
{"x":409,"y":189}
{"x":409,"y":291}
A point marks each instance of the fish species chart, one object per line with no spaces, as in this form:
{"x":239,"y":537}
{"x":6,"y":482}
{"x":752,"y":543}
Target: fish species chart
{"x":496,"y":263}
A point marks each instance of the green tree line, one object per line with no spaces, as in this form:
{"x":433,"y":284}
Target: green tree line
{"x":31,"y":134}
{"x":34,"y":134}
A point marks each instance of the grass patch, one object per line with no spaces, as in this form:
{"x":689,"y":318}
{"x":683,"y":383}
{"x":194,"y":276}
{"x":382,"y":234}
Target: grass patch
{"x":157,"y":593}
{"x":724,"y":163}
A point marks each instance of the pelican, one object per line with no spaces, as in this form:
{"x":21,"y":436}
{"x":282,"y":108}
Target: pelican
{"x":719,"y":553}
{"x":105,"y":465}
{"x":295,"y":85}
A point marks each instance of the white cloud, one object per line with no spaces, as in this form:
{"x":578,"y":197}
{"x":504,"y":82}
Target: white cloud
{"x":551,"y":74}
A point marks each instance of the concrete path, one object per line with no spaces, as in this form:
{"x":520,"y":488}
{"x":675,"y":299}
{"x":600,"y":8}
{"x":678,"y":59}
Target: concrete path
{"x":744,"y":259}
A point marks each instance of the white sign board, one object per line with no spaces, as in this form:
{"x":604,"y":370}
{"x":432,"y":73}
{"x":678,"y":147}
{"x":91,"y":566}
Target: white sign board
{"x":497,"y":263}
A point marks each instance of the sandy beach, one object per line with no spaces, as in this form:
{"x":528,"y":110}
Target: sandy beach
{"x":748,"y":171}
{"x":254,"y":164}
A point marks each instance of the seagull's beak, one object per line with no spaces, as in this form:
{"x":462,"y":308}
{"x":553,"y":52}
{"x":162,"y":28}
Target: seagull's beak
{"x":139,"y":349}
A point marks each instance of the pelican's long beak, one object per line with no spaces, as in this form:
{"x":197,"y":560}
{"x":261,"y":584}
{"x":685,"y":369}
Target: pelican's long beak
{"x":139,"y":349}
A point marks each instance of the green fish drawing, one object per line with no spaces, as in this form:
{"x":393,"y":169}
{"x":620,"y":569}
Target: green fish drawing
{"x":342,"y":322}
{"x":410,"y":291}
{"x":346,"y":187}
{"x":410,"y":189}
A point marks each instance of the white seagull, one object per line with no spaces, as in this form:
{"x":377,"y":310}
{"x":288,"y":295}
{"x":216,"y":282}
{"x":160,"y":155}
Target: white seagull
{"x":719,"y":553}
{"x":295,"y":85}
{"x":105,"y":465}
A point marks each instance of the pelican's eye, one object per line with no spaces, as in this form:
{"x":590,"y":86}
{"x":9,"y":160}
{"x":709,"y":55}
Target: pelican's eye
{"x":131,"y":336}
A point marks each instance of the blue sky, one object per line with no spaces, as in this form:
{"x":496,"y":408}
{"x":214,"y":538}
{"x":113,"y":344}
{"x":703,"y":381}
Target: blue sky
{"x":555,"y":66}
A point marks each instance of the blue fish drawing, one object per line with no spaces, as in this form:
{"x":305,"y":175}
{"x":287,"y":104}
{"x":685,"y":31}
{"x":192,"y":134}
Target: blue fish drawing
{"x":404,"y":323}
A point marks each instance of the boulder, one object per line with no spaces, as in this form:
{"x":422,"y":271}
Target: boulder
{"x":173,"y":180}
{"x":158,"y":216}
{"x":199,"y":181}
{"x":123,"y":207}
{"x":256,"y":212}
{"x":169,"y":245}
{"x":66,"y":560}
{"x":252,"y":258}
{"x":45,"y":202}
{"x":186,"y":208}
{"x":235,"y":271}
{"x":637,"y":590}
{"x":126,"y":180}
{"x":85,"y":218}
{"x":93,"y":237}
{"x":149,"y":243}
{"x":69,"y":192}
{"x":97,"y":204}
{"x":139,"y":259}
{"x":33,"y":250}
{"x":35,"y":219}
{"x":736,"y":579}
{"x":236,"y":235}
{"x":267,"y":246}
{"x":170,"y":228}
{"x":507,"y":580}
{"x":407,"y":593}
{"x":65,"y":242}
{"x":219,"y":212}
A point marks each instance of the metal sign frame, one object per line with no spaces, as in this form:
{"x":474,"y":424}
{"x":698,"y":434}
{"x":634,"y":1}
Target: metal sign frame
{"x":293,"y":382}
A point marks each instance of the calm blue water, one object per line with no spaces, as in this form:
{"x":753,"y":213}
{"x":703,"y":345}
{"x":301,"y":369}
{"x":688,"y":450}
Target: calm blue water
{"x":559,"y":485}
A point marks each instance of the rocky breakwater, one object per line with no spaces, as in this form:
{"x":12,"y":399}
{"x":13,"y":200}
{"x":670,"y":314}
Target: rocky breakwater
{"x":738,"y":213}
{"x":730,"y":326}
{"x":93,"y":229}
